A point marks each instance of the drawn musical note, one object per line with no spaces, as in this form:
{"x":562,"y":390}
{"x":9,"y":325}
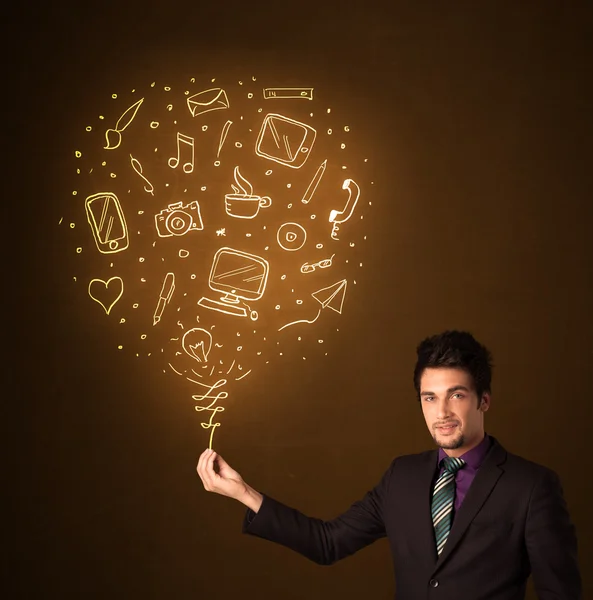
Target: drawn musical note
{"x":138,"y":168}
{"x":188,"y":167}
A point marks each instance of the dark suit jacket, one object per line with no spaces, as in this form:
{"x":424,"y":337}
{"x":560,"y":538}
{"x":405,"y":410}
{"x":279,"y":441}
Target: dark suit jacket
{"x":513,"y":522}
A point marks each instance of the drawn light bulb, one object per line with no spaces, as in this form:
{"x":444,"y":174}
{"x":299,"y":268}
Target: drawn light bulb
{"x":197,"y":343}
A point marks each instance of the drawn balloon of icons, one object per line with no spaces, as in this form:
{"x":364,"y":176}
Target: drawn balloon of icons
{"x":238,"y":280}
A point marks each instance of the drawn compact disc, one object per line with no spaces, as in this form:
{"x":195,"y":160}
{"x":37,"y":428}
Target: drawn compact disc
{"x":291,"y":236}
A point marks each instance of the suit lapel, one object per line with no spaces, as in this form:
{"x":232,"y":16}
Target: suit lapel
{"x":480,"y":489}
{"x":420,"y":493}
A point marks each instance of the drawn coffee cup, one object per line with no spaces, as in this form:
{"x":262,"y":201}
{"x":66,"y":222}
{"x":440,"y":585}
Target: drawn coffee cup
{"x":244,"y":206}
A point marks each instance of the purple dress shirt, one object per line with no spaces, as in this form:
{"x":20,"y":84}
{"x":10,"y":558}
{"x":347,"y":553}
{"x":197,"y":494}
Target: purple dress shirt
{"x":464,"y":477}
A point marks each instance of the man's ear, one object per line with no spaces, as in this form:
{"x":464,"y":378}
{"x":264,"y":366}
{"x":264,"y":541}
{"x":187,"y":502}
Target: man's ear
{"x":485,"y":402}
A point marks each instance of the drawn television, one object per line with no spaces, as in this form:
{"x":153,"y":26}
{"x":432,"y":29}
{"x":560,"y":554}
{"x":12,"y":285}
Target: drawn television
{"x":240,"y":277}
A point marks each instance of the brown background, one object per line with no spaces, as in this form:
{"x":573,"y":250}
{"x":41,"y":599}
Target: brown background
{"x":479,"y":117}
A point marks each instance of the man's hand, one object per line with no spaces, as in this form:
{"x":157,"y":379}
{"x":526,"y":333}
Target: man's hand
{"x":227,"y":482}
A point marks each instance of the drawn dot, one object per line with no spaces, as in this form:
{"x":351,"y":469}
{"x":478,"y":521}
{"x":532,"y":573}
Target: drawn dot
{"x":329,"y":132}
{"x":238,"y":144}
{"x":152,"y":84}
{"x":78,"y":250}
{"x":259,"y":353}
{"x":346,"y":128}
{"x":120,"y":347}
{"x":247,"y":235}
{"x":169,"y":107}
{"x":114,"y":96}
{"x":366,"y":160}
{"x":217,"y":163}
{"x":311,"y":114}
{"x":283,"y":277}
{"x":267,"y":248}
{"x":342,"y":145}
{"x":259,"y":110}
{"x":154,"y":124}
{"x":122,"y":320}
{"x":89,"y":128}
{"x":329,"y":110}
{"x":320,"y":341}
{"x":203,"y":188}
{"x":112,"y":175}
{"x":78,"y":171}
{"x":289,"y":185}
{"x":239,"y":348}
{"x":104,"y":163}
{"x":101,"y":117}
{"x":143,"y":336}
{"x":186,"y":93}
{"x":250,"y":95}
{"x":290,"y":206}
{"x":140,"y":212}
{"x":299,"y":301}
{"x":240,"y":83}
{"x":277,"y":307}
{"x":78,"y":154}
{"x":193,"y":275}
{"x":72,"y":225}
{"x":299,"y":338}
{"x":135,"y":305}
{"x":269,"y":172}
{"x":74,"y":193}
{"x":193,"y":79}
{"x":142,"y":280}
{"x":204,"y":127}
{"x":167,"y":88}
{"x":141,"y":259}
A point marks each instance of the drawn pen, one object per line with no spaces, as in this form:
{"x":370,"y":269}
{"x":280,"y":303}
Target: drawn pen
{"x":314,"y":183}
{"x":164,"y":297}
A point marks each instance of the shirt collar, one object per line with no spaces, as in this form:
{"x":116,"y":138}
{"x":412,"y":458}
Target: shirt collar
{"x":474,"y":457}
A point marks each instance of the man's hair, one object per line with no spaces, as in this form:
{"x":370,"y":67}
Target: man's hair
{"x":455,"y":349}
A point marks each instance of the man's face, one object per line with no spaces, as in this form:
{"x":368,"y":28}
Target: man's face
{"x":448,"y":398}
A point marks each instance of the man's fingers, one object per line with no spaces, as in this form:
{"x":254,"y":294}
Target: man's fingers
{"x":204,"y":468}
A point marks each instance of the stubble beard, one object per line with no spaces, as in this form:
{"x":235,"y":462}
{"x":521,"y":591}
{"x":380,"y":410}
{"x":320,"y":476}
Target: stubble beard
{"x":449,"y":443}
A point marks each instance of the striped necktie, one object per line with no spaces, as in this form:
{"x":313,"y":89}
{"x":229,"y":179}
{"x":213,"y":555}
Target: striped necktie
{"x":443,"y":497}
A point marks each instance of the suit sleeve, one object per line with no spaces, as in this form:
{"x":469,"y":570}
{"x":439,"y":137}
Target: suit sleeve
{"x":323,"y":542}
{"x":551,"y":542}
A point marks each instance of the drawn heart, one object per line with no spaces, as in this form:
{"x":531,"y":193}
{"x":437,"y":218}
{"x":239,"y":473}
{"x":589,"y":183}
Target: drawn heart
{"x":106,"y":291}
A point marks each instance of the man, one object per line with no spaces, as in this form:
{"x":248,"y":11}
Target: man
{"x":469,"y":521}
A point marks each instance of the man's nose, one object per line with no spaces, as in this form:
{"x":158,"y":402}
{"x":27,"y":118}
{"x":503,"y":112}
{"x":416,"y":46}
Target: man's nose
{"x":443,"y":410}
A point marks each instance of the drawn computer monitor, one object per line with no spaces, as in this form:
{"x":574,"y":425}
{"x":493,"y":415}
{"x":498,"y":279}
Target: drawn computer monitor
{"x":238,"y":276}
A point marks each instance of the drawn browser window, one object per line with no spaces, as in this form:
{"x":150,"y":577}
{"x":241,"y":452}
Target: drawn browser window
{"x":106,"y":218}
{"x":285,"y":141}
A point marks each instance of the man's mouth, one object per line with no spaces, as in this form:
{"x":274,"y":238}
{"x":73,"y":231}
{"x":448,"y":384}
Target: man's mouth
{"x":447,"y":427}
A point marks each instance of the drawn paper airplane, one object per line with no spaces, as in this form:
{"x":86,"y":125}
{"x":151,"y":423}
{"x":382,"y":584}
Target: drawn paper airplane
{"x":332,"y":296}
{"x":329,"y":297}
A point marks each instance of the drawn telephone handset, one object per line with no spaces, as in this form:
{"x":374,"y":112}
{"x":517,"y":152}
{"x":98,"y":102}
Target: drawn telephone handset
{"x":337,"y":217}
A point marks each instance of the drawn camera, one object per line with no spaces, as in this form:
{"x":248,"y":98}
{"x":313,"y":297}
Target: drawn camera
{"x":177,"y":219}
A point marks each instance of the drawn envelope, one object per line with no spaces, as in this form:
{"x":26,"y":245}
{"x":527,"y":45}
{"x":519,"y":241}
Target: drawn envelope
{"x":285,"y":141}
{"x":206,"y":101}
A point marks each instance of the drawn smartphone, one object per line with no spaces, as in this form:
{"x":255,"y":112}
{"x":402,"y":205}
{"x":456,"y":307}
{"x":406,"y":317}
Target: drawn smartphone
{"x":106,"y":218}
